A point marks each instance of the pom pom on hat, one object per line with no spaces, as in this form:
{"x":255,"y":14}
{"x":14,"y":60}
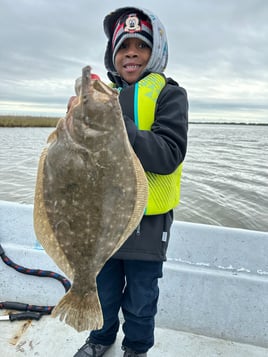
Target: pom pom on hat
{"x":132,"y":25}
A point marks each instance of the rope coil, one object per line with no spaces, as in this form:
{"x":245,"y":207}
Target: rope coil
{"x":44,"y":310}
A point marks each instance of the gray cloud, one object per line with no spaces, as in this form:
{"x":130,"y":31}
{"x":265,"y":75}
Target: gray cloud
{"x":218,"y":52}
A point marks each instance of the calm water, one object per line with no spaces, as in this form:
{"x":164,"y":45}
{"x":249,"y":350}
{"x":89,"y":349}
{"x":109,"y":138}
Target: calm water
{"x":224,"y":181}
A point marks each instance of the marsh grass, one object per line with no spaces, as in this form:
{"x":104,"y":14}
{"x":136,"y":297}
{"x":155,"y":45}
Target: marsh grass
{"x":27,"y":121}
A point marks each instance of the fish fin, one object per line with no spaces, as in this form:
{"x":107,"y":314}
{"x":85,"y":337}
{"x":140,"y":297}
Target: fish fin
{"x":42,"y":228}
{"x":141,"y":198}
{"x":82,"y":312}
{"x":140,"y":202}
{"x":52,"y":137}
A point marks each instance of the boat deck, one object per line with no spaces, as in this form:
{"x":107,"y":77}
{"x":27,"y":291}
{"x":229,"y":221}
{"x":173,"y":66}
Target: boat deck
{"x":49,"y":337}
{"x":213,"y":296}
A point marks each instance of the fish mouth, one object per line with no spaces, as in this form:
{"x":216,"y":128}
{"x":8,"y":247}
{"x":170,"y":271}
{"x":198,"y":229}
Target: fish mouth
{"x":103,"y":88}
{"x":98,"y":85}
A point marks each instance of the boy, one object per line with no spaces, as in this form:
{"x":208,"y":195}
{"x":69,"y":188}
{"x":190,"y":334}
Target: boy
{"x":155,"y":111}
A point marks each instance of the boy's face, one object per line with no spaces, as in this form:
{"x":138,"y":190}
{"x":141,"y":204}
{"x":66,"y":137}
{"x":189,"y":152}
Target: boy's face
{"x":131,"y":59}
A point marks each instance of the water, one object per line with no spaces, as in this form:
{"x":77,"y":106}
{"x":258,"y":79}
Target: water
{"x":224,"y":179}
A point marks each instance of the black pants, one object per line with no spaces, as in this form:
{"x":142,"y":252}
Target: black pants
{"x":131,"y":285}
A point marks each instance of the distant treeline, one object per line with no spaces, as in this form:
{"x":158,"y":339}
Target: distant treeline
{"x":32,"y":121}
{"x":27,"y":121}
{"x":227,"y":123}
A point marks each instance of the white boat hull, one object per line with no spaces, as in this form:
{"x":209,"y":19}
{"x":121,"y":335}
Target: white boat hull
{"x":215,"y":284}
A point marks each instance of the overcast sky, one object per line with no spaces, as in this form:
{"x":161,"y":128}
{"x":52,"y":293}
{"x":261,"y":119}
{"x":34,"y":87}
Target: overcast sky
{"x":218,"y":51}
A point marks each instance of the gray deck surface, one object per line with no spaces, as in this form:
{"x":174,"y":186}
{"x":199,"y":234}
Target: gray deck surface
{"x":49,"y":338}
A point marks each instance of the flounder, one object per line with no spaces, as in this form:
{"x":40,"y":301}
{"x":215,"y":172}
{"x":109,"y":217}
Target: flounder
{"x":90,"y":195}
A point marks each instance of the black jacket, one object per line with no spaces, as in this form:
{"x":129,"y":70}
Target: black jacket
{"x":160,"y":150}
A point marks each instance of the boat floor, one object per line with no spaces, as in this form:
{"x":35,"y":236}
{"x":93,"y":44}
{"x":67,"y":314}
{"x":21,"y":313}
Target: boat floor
{"x":49,"y":337}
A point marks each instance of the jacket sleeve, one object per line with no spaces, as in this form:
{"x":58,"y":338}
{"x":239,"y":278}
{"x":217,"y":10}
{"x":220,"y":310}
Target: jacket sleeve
{"x":162,"y":149}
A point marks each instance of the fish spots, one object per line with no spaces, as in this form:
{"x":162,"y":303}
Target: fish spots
{"x":90,"y":195}
{"x":62,"y":202}
{"x":87,"y":230}
{"x":62,"y":225}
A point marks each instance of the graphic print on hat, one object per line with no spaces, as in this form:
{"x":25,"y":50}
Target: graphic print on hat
{"x":132,"y":24}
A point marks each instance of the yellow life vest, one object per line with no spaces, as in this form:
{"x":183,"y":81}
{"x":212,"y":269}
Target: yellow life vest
{"x":164,"y":190}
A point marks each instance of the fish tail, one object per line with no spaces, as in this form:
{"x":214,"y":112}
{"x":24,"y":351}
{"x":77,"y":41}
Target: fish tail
{"x":82,"y":312}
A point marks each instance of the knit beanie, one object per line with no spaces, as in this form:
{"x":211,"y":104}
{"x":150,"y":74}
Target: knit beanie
{"x":132,"y":25}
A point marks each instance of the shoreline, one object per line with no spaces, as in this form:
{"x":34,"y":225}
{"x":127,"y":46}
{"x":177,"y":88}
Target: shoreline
{"x":27,"y":121}
{"x":44,"y":121}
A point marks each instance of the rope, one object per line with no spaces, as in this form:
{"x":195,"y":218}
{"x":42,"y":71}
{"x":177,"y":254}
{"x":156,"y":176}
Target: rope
{"x":36,"y":272}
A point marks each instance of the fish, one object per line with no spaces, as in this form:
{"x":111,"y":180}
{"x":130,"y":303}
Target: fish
{"x":90,"y":195}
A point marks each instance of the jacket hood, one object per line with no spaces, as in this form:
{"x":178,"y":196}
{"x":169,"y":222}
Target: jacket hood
{"x":159,"y":55}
